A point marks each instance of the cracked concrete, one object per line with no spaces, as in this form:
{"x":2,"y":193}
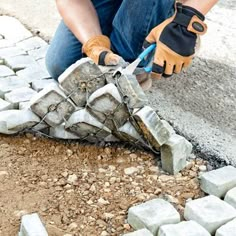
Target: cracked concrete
{"x":199,"y":103}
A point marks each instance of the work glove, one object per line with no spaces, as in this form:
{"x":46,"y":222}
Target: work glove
{"x":98,"y":48}
{"x":176,"y":39}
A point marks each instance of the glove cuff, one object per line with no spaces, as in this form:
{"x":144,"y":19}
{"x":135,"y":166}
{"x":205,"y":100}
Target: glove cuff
{"x":190,"y":18}
{"x":96,"y":41}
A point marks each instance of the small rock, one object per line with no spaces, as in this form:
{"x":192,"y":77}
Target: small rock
{"x":102,"y":201}
{"x":130,"y":170}
{"x":72,"y":179}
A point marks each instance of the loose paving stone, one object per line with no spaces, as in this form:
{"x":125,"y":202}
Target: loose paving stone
{"x":219,"y":182}
{"x":33,"y":73}
{"x":20,"y":62}
{"x":12,"y":29}
{"x":132,"y":92}
{"x":31,"y":44}
{"x":228,"y":229}
{"x":108,"y":108}
{"x":11,"y":52}
{"x":19,"y":95}
{"x":39,"y":53}
{"x":24,"y":105}
{"x":141,"y":232}
{"x":210,"y":212}
{"x":6,"y":71}
{"x":61,"y":133}
{"x":186,"y":228}
{"x":81,"y":79}
{"x":31,"y":225}
{"x":39,"y":85}
{"x":152,"y":127}
{"x":6,"y":43}
{"x":152,"y":215}
{"x":230,"y":197}
{"x":86,"y":126}
{"x":13,"y":121}
{"x":174,"y":154}
{"x":52,"y":105}
{"x":11,"y":83}
{"x":4,"y":105}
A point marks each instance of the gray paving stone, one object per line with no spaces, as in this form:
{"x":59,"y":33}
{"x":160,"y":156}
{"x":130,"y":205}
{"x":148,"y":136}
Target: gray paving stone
{"x":11,"y":52}
{"x":1,"y":37}
{"x":132,"y":92}
{"x":210,"y":212}
{"x":108,"y":107}
{"x":152,"y":215}
{"x":5,"y":71}
{"x":39,"y":53}
{"x":52,"y":105}
{"x":24,"y":105}
{"x":13,"y":121}
{"x":31,"y":43}
{"x":20,"y":62}
{"x":81,"y":79}
{"x":174,"y":154}
{"x":218,"y":182}
{"x":228,"y":229}
{"x":39,"y":85}
{"x":141,"y":232}
{"x":6,"y":43}
{"x":19,"y":95}
{"x":86,"y":126}
{"x":230,"y":197}
{"x":4,"y":105}
{"x":11,"y":83}
{"x":33,"y":73}
{"x":152,"y":127}
{"x":61,"y":133}
{"x":31,"y":225}
{"x":12,"y":29}
{"x":185,"y":228}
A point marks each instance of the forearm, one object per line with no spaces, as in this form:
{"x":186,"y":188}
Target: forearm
{"x":80,"y":17}
{"x":203,"y":6}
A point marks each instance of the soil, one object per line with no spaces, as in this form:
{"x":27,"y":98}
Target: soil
{"x":83,"y":190}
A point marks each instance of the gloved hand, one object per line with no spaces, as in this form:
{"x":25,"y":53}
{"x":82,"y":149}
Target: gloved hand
{"x":176,"y":39}
{"x":98,"y":48}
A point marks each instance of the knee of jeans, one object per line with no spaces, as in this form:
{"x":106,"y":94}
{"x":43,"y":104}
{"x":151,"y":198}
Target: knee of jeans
{"x":54,"y":65}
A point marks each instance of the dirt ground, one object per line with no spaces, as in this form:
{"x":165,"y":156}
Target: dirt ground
{"x":80,"y":189}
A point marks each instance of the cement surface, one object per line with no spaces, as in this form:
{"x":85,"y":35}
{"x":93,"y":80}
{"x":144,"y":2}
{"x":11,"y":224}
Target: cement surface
{"x":201,"y":103}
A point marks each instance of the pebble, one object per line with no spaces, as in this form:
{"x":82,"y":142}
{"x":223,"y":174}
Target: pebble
{"x":72,"y":179}
{"x":131,"y":170}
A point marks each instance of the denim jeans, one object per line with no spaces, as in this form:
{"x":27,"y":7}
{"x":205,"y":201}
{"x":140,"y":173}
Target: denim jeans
{"x":126,"y":22}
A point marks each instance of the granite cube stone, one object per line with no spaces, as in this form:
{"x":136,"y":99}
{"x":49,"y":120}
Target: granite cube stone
{"x":11,"y":52}
{"x":81,"y":79}
{"x":230,"y":197}
{"x":11,"y":83}
{"x":31,"y":225}
{"x":24,"y":105}
{"x":86,"y":126}
{"x":52,"y":105}
{"x":20,"y":62}
{"x":31,"y":43}
{"x":39,"y":53}
{"x":185,"y":228}
{"x":4,"y":105}
{"x":174,"y":154}
{"x":19,"y":95}
{"x":39,"y":85}
{"x":131,"y":91}
{"x":210,"y":212}
{"x":13,"y":121}
{"x":141,"y":232}
{"x":229,"y":229}
{"x":155,"y":132}
{"x":152,"y":215}
{"x":6,"y":71}
{"x":61,"y":133}
{"x":12,"y":29}
{"x":219,"y":182}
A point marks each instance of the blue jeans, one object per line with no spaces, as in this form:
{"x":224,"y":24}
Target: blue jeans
{"x":126,"y":22}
